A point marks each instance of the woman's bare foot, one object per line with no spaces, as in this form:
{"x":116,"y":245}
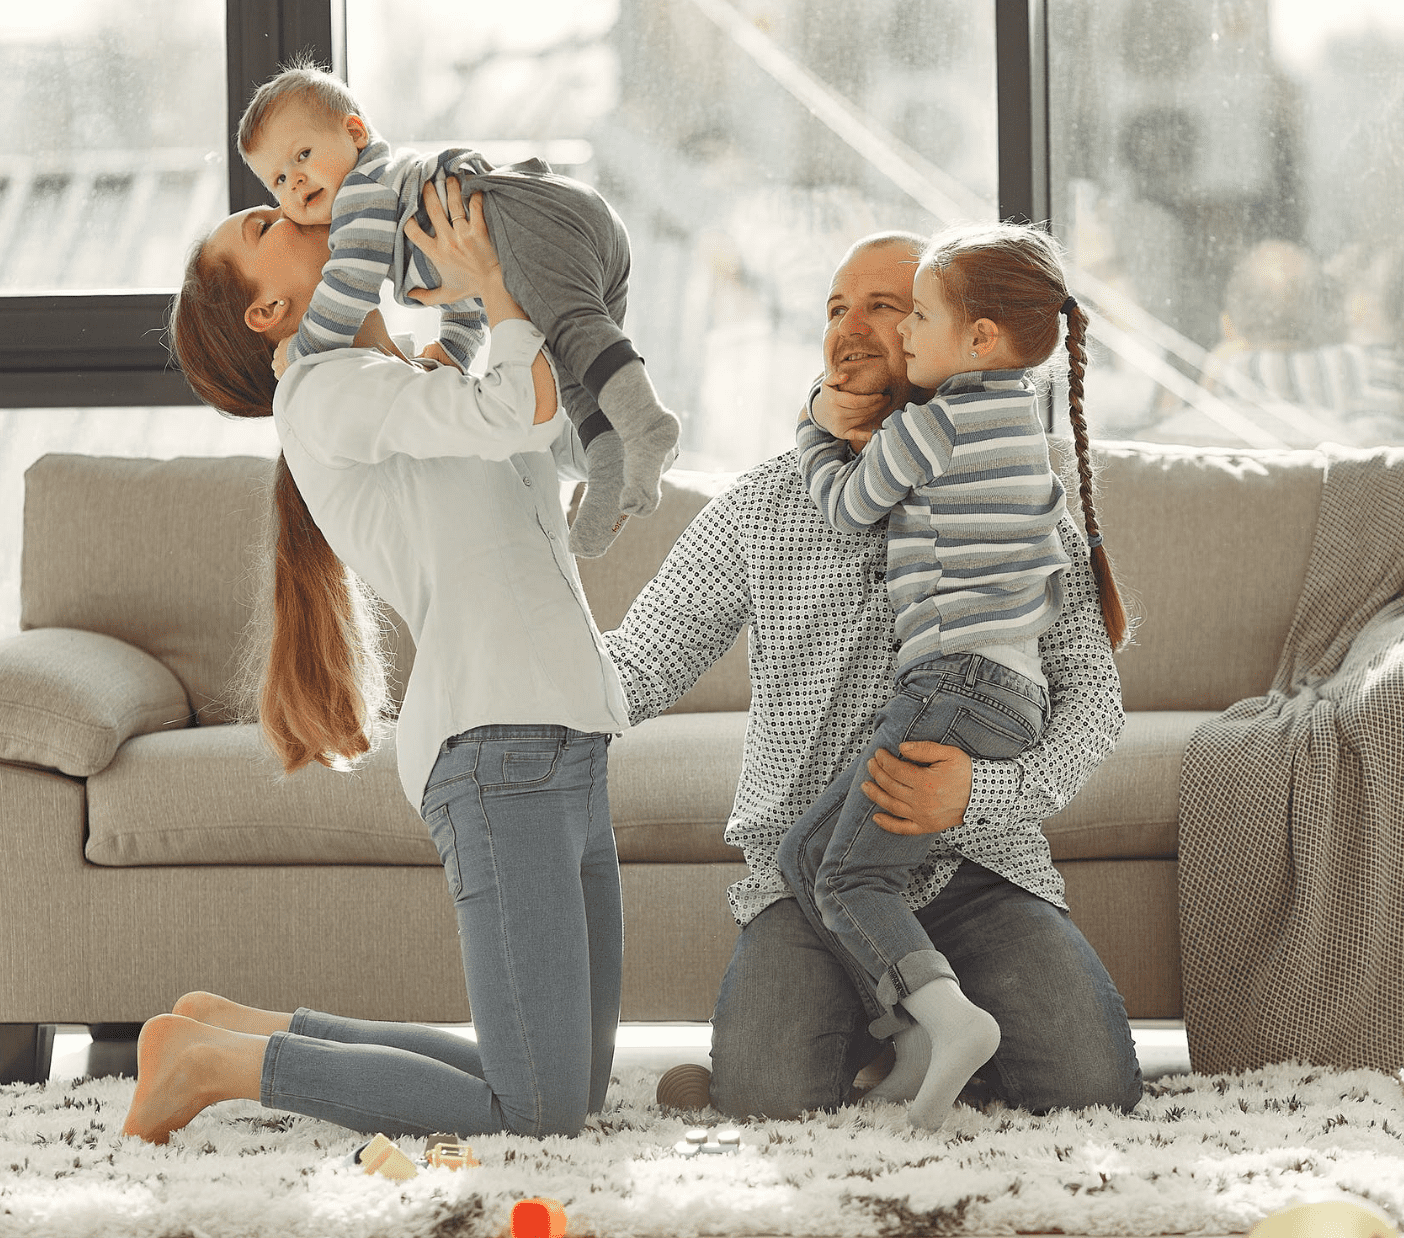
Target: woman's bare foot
{"x":221,"y":1012}
{"x":184,"y":1066}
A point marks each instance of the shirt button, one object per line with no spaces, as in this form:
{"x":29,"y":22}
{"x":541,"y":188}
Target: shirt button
{"x":526,"y":481}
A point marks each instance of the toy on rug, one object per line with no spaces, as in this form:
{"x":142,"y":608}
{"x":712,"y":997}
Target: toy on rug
{"x":1326,"y":1218}
{"x":685,"y":1087}
{"x":699,"y":1139}
{"x":538,"y":1218}
{"x":381,"y":1156}
{"x":447,"y":1152}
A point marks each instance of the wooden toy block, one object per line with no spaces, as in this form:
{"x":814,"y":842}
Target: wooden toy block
{"x":380,"y":1156}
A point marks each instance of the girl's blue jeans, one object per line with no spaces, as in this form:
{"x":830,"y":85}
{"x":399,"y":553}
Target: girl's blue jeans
{"x":848,"y":873}
{"x":520,"y":817}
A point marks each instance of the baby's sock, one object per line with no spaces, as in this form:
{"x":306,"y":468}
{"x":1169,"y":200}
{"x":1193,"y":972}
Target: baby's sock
{"x":649,"y":432}
{"x":913,"y":1048}
{"x":963,"y":1038}
{"x":598,"y":519}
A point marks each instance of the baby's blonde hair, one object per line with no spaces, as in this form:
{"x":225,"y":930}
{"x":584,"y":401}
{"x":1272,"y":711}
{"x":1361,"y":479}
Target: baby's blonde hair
{"x":302,"y":80}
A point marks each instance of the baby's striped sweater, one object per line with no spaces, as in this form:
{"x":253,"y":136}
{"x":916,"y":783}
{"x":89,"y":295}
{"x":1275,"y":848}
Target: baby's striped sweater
{"x":368,"y":245}
{"x":973,"y":553}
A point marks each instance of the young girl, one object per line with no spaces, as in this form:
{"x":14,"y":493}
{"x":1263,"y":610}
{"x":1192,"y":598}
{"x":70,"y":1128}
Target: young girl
{"x":440,"y":492}
{"x":974,"y":572}
{"x":565,"y":257}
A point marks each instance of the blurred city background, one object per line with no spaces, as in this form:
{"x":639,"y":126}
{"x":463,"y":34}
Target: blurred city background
{"x":1225,"y":175}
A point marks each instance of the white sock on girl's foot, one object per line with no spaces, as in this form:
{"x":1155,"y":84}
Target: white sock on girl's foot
{"x":913,"y":1049}
{"x":963,"y":1038}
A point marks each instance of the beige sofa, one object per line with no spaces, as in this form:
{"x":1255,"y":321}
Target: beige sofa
{"x":150,"y":848}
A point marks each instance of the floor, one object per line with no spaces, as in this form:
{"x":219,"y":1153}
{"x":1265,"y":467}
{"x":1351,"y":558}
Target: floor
{"x":1160,"y":1045}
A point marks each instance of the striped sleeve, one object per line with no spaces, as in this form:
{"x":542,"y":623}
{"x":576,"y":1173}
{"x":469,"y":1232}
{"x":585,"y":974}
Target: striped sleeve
{"x":913,"y":446}
{"x":365,"y":219}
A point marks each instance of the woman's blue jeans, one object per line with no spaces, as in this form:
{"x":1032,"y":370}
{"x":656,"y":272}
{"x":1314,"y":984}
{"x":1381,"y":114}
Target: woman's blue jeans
{"x":520,"y":817}
{"x":848,"y":873}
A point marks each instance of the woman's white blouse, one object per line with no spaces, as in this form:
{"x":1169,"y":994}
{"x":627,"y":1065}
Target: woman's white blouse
{"x":435,"y":488}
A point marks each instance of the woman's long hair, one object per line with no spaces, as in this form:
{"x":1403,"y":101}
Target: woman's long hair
{"x":314,"y":660}
{"x":1012,"y":275}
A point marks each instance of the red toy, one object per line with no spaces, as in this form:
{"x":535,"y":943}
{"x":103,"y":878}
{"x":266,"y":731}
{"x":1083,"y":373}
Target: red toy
{"x":538,"y":1218}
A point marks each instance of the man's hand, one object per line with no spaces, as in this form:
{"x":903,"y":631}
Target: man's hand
{"x":925,"y":792}
{"x":846,"y":414}
{"x":280,"y":357}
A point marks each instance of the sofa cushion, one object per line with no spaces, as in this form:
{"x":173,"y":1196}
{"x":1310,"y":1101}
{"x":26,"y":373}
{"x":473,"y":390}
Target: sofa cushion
{"x":69,"y":698}
{"x":163,"y":554}
{"x":1130,"y":806}
{"x":212,"y":795}
{"x":1210,"y":548}
{"x":672,"y":781}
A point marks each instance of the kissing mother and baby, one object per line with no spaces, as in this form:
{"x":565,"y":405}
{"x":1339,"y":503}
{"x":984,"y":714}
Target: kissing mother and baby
{"x":931,"y":641}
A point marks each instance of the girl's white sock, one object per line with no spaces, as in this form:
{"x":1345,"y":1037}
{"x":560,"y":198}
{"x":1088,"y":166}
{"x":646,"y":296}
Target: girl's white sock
{"x":913,"y":1048}
{"x":963,"y":1038}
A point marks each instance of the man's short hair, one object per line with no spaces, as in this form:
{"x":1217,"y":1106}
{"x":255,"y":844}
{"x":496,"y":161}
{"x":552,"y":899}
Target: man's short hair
{"x":913,"y":242}
{"x":306,"y":81}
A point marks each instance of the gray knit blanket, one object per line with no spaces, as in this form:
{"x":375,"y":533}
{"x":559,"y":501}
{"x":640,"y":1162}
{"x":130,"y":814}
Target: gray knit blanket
{"x":1292,"y":813}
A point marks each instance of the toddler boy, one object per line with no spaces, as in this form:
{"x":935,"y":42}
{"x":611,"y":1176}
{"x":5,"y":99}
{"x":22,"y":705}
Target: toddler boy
{"x":564,"y":255}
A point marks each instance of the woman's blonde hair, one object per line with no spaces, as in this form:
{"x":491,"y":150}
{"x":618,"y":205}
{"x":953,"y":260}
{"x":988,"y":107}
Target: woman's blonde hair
{"x":1012,"y":274}
{"x":316,"y":658}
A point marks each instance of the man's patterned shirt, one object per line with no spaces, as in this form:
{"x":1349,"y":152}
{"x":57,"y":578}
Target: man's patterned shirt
{"x":821,"y":651}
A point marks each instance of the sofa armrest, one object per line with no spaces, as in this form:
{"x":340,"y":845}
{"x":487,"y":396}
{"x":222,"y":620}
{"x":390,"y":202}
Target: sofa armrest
{"x":69,"y":698}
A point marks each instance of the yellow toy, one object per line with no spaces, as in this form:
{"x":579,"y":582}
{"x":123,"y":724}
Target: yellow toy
{"x":451,"y":1154}
{"x":380,"y":1156}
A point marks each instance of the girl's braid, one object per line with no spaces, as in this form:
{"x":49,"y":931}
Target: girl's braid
{"x":1113,"y":612}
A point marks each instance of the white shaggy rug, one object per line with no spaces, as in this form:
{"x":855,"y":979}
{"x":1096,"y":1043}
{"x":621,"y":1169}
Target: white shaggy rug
{"x":1200,"y":1154}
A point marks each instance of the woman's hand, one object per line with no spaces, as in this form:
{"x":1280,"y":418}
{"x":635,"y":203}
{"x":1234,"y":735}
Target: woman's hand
{"x":925,"y":792}
{"x":845,"y":414}
{"x":462,"y":253}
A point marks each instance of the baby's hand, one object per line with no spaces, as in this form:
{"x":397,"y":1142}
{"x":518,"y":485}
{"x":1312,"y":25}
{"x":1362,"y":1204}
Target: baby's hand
{"x":280,"y":357}
{"x":437,"y":352}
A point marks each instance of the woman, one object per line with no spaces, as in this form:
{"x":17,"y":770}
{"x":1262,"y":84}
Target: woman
{"x":440,"y":491}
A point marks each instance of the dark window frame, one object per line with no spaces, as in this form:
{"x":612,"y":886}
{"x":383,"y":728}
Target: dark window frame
{"x":108,"y":349}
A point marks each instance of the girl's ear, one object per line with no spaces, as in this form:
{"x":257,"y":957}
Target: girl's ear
{"x":984,"y":336}
{"x":358,"y":130}
{"x":264,"y":316}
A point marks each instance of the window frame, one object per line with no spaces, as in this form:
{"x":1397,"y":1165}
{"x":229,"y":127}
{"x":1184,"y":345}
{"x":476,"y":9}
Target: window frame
{"x":64,"y":350}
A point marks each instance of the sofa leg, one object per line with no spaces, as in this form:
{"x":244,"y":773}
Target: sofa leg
{"x":114,"y":1049}
{"x":26,"y":1052}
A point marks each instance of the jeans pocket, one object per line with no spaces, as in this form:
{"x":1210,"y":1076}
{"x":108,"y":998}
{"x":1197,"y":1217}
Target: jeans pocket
{"x":990,"y":734}
{"x":441,"y":832}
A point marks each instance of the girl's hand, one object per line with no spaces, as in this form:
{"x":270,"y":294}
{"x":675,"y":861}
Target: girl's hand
{"x":280,"y":357}
{"x":845,"y":414}
{"x":437,"y":352}
{"x":460,"y":249}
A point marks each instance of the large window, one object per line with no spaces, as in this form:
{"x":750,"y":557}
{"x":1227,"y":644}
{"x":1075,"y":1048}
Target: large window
{"x":1224,"y":174}
{"x":1227,"y":177}
{"x":745,"y":146}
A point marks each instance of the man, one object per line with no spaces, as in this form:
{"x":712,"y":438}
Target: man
{"x":790,"y":1031}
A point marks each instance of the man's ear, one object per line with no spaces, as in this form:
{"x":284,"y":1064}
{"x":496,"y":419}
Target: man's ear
{"x":358,"y":130}
{"x":264,"y":316}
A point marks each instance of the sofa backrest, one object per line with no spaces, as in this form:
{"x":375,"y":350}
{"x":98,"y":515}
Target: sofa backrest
{"x":167,"y":555}
{"x":1210,"y":548}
